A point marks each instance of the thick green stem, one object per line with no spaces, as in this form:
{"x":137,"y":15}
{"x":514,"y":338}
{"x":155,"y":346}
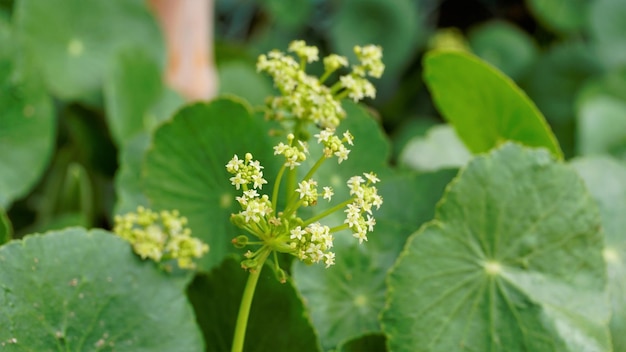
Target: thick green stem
{"x":246,"y":303}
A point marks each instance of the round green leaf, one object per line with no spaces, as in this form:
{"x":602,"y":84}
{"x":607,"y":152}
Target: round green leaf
{"x":27,"y":131}
{"x":76,"y":290}
{"x":505,"y":46}
{"x":73,"y":42}
{"x":608,"y":30}
{"x":606,"y":180}
{"x":185,"y":168}
{"x":441,"y":148}
{"x":277,"y":321}
{"x":346,"y":299}
{"x":6,"y":229}
{"x":512,"y":262}
{"x":562,"y":16}
{"x":485,"y":107}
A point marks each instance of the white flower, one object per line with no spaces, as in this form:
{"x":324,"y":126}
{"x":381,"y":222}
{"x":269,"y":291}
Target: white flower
{"x":371,"y":177}
{"x":349,"y":138}
{"x":258,"y":180}
{"x":329,"y":259}
{"x":251,"y":193}
{"x":234,"y":164}
{"x":237,"y":181}
{"x":307,"y":189}
{"x":361,"y":235}
{"x":297,"y":233}
{"x":280,"y":148}
{"x":342,"y":153}
{"x":370,"y":222}
{"x":328,"y":193}
{"x":325,"y":135}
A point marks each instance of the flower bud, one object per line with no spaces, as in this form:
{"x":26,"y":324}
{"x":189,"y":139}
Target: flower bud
{"x":240,"y":241}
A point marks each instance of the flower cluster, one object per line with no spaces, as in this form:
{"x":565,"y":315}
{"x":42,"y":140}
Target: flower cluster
{"x":294,"y":154}
{"x":246,"y":172}
{"x":333,"y":145}
{"x":307,"y":98}
{"x":312,"y":244}
{"x":365,"y":197}
{"x":272,"y":226}
{"x":160,"y":236}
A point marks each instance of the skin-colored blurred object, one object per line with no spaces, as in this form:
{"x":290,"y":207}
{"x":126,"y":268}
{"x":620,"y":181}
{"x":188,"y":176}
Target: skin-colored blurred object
{"x":188,"y":31}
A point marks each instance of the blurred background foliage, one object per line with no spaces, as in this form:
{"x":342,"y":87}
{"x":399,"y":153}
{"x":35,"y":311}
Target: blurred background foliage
{"x":81,"y":83}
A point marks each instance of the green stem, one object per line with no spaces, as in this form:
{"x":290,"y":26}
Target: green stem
{"x":277,"y":187}
{"x":340,"y":228}
{"x":317,"y":165}
{"x":342,"y":95}
{"x":294,"y":196}
{"x":336,"y":87}
{"x":294,"y":206}
{"x":246,"y":303}
{"x":326,"y":75}
{"x":327,"y":212}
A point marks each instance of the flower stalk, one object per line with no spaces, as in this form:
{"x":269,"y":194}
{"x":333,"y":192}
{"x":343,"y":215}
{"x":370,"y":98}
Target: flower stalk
{"x":305,"y":102}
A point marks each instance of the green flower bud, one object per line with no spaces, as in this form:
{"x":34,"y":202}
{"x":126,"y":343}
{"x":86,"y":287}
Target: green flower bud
{"x":240,"y":241}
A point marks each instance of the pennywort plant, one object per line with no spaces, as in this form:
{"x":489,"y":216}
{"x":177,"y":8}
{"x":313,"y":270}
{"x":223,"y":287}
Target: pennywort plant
{"x":272,"y":222}
{"x":274,"y":225}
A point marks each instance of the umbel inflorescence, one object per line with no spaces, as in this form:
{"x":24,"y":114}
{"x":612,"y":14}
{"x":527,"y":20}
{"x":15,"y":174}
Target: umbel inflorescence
{"x":305,"y":100}
{"x":160,"y":236}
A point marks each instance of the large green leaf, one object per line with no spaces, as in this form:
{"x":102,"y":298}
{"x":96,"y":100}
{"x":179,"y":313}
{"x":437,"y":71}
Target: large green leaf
{"x":6,"y":229}
{"x":76,"y":290}
{"x":185,"y":168}
{"x":505,"y":46}
{"x":277,"y":322}
{"x":606,"y":180}
{"x":73,"y":42}
{"x":346,"y":299}
{"x":608,"y":30}
{"x":562,"y":16}
{"x":440,"y":148}
{"x":485,"y":107}
{"x":27,"y":131}
{"x":512,"y":262}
